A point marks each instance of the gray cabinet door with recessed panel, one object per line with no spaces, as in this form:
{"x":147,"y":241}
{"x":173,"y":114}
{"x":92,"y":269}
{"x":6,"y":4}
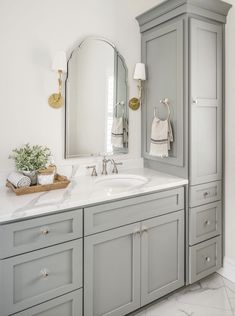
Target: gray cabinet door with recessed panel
{"x":206,"y":102}
{"x":112,"y":272}
{"x":162,"y":256}
{"x":162,"y":52}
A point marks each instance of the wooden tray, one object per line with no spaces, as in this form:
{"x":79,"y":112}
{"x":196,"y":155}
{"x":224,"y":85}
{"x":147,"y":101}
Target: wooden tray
{"x":60,"y":182}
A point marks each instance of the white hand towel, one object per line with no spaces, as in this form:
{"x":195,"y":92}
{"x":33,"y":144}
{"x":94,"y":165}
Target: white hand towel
{"x":117,"y":132}
{"x":19,"y":180}
{"x":170,"y":135}
{"x":161,"y":137}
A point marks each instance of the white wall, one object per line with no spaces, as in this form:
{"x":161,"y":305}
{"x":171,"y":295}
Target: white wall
{"x":31,"y":32}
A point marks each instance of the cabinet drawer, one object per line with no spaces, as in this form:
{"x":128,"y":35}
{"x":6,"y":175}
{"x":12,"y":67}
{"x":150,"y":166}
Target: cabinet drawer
{"x":39,"y":276}
{"x":111,"y":215}
{"x":204,"y":259}
{"x":205,"y":193}
{"x":66,"y":305}
{"x":40,"y":232}
{"x":204,"y":222}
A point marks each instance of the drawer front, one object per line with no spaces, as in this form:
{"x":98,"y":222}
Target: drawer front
{"x":111,"y":215}
{"x":205,"y":222}
{"x":66,"y":305}
{"x":205,"y":193}
{"x":39,"y":276}
{"x":40,"y":232}
{"x":204,"y":259}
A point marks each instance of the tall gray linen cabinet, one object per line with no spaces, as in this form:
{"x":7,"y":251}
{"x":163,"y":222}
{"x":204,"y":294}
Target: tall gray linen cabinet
{"x":184,"y":52}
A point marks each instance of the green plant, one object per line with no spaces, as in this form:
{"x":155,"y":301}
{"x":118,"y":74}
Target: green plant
{"x":30,"y":158}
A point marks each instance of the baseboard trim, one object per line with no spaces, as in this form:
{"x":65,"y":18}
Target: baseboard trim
{"x":228,"y":270}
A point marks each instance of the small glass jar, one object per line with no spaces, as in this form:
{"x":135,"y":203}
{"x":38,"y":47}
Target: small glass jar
{"x":46,"y":176}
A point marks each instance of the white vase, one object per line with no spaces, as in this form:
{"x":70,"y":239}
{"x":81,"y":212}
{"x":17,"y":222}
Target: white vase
{"x":32,"y":175}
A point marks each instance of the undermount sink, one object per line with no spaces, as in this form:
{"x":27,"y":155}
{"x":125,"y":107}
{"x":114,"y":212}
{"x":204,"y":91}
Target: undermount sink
{"x":120,"y":182}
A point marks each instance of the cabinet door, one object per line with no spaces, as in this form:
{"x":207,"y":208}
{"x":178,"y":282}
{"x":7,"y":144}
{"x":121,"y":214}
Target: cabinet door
{"x":162,"y":52}
{"x":206,"y":102}
{"x":112,"y":272}
{"x":162,"y":256}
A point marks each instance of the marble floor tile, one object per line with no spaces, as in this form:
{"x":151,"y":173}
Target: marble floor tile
{"x":213,"y":296}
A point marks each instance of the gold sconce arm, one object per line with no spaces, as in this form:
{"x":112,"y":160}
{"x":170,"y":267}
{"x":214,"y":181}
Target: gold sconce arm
{"x":140,"y":75}
{"x":56,"y":100}
{"x":135,"y":103}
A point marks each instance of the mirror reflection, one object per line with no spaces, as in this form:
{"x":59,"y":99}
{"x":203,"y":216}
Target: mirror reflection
{"x":96,"y":100}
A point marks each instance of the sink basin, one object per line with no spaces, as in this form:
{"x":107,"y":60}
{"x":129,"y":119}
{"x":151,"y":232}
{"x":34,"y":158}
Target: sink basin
{"x":121,"y":182}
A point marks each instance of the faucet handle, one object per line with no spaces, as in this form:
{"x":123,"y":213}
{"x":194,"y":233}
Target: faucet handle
{"x":115,"y":164}
{"x":93,"y":173}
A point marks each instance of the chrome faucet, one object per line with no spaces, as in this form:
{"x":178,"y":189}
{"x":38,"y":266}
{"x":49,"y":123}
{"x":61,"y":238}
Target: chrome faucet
{"x":104,"y":164}
{"x":115,"y":164}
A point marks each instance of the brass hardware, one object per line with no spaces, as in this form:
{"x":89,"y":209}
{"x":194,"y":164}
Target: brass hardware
{"x":44,"y":273}
{"x":56,"y":100}
{"x":134,"y":104}
{"x":93,"y":173}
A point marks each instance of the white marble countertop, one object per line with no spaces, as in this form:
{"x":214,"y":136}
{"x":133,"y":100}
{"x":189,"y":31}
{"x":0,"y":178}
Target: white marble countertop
{"x":81,"y":192}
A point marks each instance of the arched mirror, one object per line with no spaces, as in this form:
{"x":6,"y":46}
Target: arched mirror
{"x":96,"y":100}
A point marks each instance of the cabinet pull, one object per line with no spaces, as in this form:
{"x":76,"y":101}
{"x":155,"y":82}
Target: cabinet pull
{"x":44,"y":273}
{"x":44,"y":231}
{"x":207,"y":222}
{"x":208,"y":259}
{"x":136,"y":231}
{"x":195,"y":101}
{"x":144,"y":230}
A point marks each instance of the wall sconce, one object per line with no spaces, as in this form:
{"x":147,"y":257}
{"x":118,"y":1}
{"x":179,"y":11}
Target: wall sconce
{"x":140,"y":75}
{"x":59,"y":65}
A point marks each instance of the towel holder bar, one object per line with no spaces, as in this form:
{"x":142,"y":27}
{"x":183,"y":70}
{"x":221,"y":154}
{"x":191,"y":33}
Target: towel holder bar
{"x":164,"y":101}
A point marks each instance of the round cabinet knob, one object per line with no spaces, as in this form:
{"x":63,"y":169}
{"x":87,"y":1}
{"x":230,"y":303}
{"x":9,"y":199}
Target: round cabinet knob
{"x":45,"y":231}
{"x":207,"y":223}
{"x":206,"y":194}
{"x":208,"y":259}
{"x":195,"y":101}
{"x":44,"y":273}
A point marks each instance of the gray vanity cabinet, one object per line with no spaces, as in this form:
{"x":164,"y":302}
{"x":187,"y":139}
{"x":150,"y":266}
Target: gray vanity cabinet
{"x":128,"y":267}
{"x":112,"y":272}
{"x":206,"y":102}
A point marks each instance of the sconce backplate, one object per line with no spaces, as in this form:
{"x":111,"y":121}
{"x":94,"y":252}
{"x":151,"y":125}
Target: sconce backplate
{"x":134,"y":104}
{"x":56,"y":100}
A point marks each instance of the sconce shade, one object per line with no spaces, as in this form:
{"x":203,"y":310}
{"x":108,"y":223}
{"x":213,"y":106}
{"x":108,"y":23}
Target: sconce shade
{"x":140,"y":73}
{"x":60,"y":62}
